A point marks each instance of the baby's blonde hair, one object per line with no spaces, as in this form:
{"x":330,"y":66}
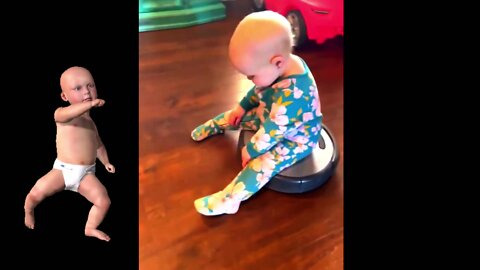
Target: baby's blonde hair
{"x":264,"y":31}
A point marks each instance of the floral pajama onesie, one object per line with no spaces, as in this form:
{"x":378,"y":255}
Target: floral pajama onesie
{"x":287,"y":119}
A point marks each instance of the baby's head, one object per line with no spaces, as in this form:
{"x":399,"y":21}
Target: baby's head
{"x":260,"y":46}
{"x":77,"y":85}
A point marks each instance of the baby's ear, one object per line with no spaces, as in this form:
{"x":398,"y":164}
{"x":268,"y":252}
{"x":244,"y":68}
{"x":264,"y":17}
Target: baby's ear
{"x":63,"y":96}
{"x":278,"y":61}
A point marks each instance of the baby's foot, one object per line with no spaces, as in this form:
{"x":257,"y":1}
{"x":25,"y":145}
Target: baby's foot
{"x":29,"y":219}
{"x":97,"y":233}
{"x":206,"y":130}
{"x":217,"y":204}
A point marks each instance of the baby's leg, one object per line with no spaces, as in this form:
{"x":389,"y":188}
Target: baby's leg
{"x":251,"y":179}
{"x":219,"y":123}
{"x":46,"y":186}
{"x":93,"y":190}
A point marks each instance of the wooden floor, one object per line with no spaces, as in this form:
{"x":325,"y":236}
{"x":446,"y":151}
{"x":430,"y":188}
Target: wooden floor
{"x":185,"y":79}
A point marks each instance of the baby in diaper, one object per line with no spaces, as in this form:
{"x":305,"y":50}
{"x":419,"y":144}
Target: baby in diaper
{"x":78,"y":147}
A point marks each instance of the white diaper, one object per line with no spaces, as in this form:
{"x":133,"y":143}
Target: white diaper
{"x":73,"y":174}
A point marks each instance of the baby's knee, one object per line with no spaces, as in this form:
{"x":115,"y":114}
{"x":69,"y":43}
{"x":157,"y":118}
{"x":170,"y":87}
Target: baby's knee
{"x":36,"y":194}
{"x":103,"y":201}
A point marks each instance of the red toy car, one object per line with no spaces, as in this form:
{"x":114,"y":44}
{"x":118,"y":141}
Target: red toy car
{"x":316,"y":20}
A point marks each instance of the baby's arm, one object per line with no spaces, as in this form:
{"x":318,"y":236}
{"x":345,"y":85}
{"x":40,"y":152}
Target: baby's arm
{"x":247,"y":103}
{"x":65,"y":114}
{"x":250,"y":100}
{"x":102,"y":155}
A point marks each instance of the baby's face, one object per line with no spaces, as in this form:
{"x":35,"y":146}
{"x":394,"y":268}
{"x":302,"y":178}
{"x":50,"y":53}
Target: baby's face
{"x":259,"y":70}
{"x":79,"y":87}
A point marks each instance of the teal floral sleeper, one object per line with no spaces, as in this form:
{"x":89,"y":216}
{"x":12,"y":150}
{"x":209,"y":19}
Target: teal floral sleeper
{"x":287,"y":119}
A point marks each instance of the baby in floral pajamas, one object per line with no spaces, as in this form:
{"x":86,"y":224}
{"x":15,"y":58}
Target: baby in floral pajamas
{"x":283,"y":108}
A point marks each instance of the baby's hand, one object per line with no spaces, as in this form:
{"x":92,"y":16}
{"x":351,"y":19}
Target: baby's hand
{"x":110,"y":168}
{"x":98,"y":102}
{"x":245,"y":156}
{"x":235,"y":115}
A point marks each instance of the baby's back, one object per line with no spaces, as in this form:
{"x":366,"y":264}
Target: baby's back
{"x":77,"y":141}
{"x":294,"y":103}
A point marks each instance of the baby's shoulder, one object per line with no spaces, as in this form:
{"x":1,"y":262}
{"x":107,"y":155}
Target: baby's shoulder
{"x":291,"y":89}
